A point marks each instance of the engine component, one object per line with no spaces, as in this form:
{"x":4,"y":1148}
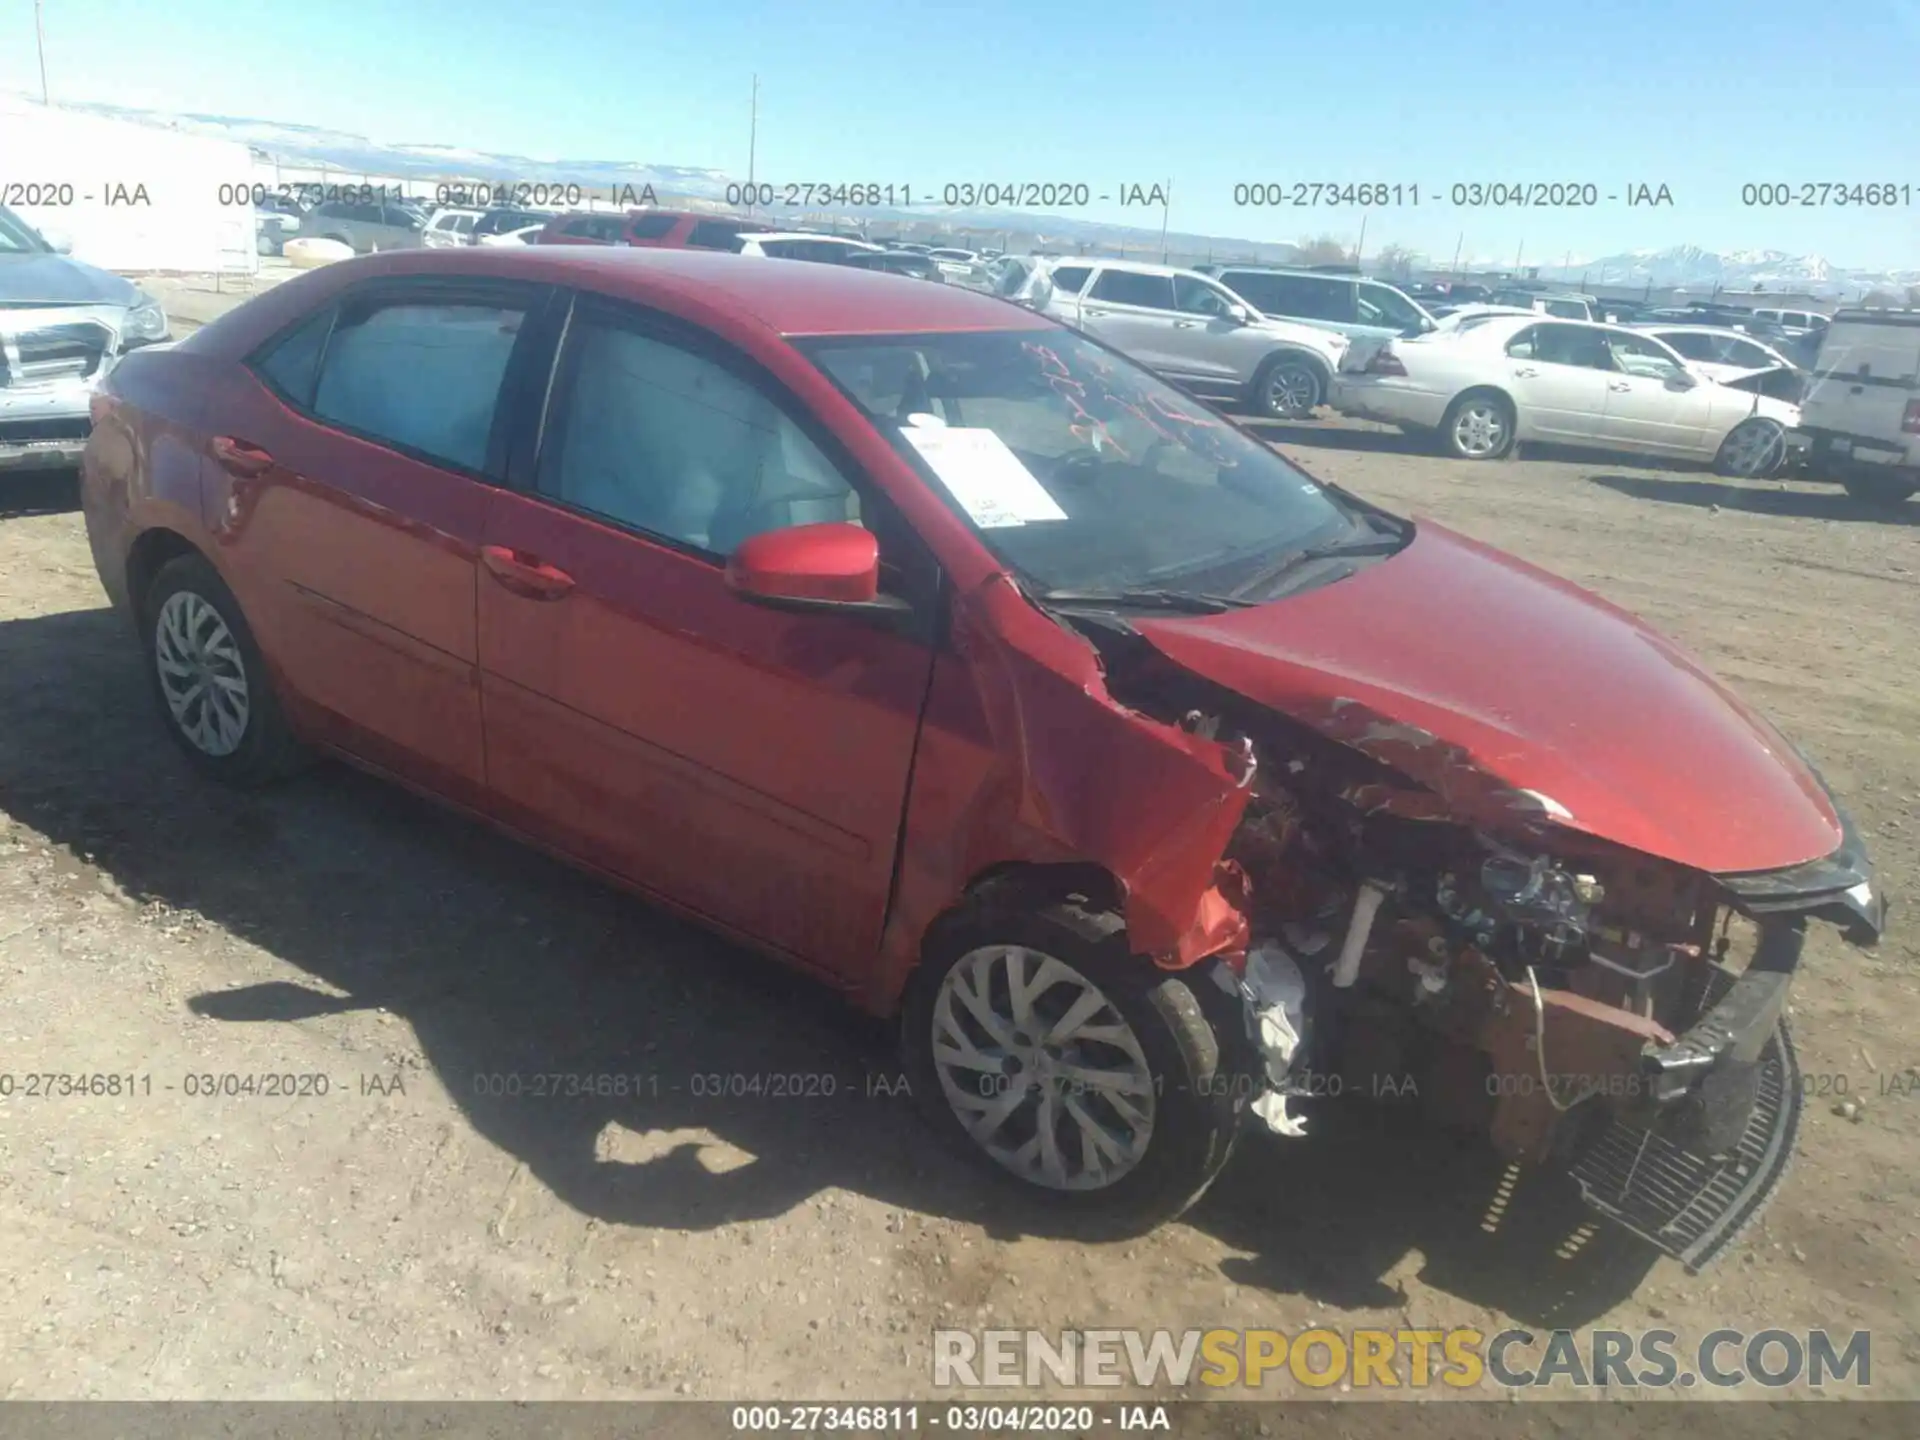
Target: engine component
{"x":1366,"y":905}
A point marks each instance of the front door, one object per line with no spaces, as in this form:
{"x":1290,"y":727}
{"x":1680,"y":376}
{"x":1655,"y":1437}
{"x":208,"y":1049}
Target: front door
{"x":1653,"y":404}
{"x":749,"y":764}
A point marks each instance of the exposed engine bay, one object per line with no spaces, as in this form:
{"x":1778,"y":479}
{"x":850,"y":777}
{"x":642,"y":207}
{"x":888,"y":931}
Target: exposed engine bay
{"x":1456,"y":945}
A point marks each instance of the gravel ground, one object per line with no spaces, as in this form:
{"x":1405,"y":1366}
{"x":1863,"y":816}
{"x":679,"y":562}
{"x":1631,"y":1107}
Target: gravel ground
{"x":409,"y":1234}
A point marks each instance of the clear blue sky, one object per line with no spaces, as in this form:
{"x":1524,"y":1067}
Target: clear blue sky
{"x":1699,"y":97}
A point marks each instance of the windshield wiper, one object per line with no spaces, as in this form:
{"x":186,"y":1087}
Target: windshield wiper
{"x":1184,"y":600}
{"x":1356,"y":546}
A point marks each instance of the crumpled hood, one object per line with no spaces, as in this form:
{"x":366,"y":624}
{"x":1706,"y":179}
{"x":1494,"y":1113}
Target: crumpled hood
{"x":1504,"y":689}
{"x":41,"y":279}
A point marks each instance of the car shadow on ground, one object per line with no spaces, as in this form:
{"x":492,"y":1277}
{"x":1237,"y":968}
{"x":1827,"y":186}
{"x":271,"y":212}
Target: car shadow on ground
{"x":508,"y":964}
{"x":38,"y":492}
{"x":1760,"y":499}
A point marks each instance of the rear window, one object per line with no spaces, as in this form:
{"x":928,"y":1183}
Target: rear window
{"x":717,"y":235}
{"x":1070,"y":279}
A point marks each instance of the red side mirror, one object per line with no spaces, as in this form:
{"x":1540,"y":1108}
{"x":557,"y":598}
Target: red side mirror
{"x":833,"y":563}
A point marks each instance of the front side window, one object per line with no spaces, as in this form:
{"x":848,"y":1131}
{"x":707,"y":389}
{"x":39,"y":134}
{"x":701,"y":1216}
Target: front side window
{"x":662,"y":440}
{"x":1379,"y":305}
{"x":1132,"y":287}
{"x":1078,"y":469}
{"x":422,"y":376}
{"x":1643,"y":356}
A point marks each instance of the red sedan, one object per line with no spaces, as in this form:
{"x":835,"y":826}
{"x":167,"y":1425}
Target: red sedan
{"x":937,"y":649}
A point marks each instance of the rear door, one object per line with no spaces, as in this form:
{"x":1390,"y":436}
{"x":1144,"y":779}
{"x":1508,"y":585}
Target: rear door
{"x":747,"y":763}
{"x":1867,"y":384}
{"x":349,"y":495}
{"x":1134,"y":312}
{"x":1557,"y":373}
{"x":1205,"y":340}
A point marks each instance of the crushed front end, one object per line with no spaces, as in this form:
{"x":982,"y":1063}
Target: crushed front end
{"x":1582,"y":1005}
{"x":1453,"y":941}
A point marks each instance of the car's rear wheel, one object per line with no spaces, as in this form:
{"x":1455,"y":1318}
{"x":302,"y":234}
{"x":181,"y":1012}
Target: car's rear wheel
{"x":211,"y":680}
{"x":1059,"y":1061}
{"x":1478,"y":426}
{"x":1879,"y":489}
{"x":1755,"y":449}
{"x":1288,"y":387}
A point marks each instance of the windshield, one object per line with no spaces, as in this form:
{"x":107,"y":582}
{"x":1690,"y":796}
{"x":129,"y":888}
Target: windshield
{"x":1079,"y":470}
{"x":17,"y":237}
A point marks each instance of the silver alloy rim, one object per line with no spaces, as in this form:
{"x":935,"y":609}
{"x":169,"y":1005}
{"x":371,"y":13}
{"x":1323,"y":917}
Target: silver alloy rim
{"x":201,"y":673}
{"x":1753,"y":450}
{"x":1291,"y":390}
{"x":1042,"y":1070}
{"x":1479,"y":429}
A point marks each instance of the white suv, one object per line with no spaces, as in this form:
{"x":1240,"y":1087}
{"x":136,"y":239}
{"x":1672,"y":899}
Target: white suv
{"x":1861,"y":416}
{"x":1195,"y":332}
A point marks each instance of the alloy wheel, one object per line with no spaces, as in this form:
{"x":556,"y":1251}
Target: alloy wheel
{"x":1479,"y":430}
{"x":1754,"y":450}
{"x":202,"y":673}
{"x":1041,"y":1069}
{"x":1291,"y":390}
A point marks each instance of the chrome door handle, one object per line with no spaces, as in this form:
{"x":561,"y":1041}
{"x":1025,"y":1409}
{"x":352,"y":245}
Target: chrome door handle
{"x":1185,"y":324}
{"x":1618,"y":385}
{"x":1523,"y":370}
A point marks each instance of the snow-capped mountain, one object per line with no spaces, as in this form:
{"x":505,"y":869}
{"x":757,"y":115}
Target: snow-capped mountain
{"x":1691,"y":267}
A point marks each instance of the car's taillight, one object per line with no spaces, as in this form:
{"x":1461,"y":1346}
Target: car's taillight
{"x":1910,"y":422}
{"x":1385,"y":362}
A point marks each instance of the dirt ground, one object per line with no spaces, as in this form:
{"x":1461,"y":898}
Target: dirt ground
{"x":410,"y":1235}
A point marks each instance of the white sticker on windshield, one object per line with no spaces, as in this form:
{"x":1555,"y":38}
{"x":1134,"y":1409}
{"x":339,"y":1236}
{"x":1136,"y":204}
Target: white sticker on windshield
{"x":986,"y":477}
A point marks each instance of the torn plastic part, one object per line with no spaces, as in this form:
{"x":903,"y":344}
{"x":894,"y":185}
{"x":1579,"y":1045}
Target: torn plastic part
{"x":1275,"y":994}
{"x":1365,"y":906}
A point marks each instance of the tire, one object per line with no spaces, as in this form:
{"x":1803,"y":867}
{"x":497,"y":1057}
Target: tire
{"x":1288,"y":386}
{"x":193,"y":631}
{"x":1755,"y":449}
{"x":1189,"y":1048}
{"x":1478,"y":425}
{"x":1879,"y":489}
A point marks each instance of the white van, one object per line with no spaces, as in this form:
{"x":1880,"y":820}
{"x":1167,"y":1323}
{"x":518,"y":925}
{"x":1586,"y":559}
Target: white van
{"x":1861,"y":415}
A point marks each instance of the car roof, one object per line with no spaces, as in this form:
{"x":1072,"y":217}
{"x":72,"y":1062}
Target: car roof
{"x":810,"y":235}
{"x":1679,"y":329}
{"x":792,"y":298}
{"x":1139,"y":267}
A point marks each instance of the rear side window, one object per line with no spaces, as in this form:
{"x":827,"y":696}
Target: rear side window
{"x":290,"y":363}
{"x":1130,"y":287}
{"x":424,"y":377}
{"x":1070,"y":279}
{"x":651,"y":227}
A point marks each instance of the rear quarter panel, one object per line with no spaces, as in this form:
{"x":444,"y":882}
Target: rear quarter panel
{"x":142,"y":466}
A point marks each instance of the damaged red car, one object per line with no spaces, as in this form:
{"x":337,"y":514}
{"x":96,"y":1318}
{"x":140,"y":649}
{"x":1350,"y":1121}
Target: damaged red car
{"x":946,"y":654}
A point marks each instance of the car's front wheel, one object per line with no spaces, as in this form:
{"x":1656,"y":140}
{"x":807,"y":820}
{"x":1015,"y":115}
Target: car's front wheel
{"x":1055,"y":1058}
{"x":211,"y":680}
{"x":1478,"y":426}
{"x":1288,"y":387}
{"x":1755,"y":449}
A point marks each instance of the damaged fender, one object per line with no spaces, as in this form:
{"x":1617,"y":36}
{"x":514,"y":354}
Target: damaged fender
{"x":1026,"y":759}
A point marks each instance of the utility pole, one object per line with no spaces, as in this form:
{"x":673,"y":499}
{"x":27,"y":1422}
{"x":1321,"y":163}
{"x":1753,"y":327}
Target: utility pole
{"x":40,"y":36}
{"x":753,"y":140}
{"x":1458,"y":246}
{"x":1166,"y":212}
{"x":1359,"y":248}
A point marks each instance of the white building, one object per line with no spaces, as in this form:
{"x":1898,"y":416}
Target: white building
{"x":132,"y":198}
